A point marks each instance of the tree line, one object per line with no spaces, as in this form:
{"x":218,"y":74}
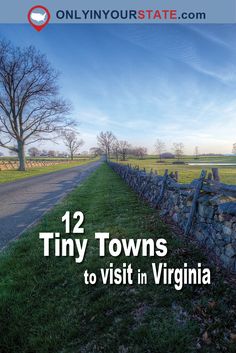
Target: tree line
{"x":109,"y":145}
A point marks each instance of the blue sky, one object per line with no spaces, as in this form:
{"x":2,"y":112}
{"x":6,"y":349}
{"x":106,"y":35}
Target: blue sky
{"x":143,"y":82}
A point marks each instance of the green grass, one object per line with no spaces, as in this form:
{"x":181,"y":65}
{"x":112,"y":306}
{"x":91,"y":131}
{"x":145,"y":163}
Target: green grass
{"x":188,"y":173}
{"x":206,"y":158}
{"x":13,"y":175}
{"x":45,"y":306}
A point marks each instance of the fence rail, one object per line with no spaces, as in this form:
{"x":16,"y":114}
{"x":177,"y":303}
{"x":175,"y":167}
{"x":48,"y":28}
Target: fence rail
{"x":31,"y":163}
{"x":211,"y":182}
{"x":206,"y":208}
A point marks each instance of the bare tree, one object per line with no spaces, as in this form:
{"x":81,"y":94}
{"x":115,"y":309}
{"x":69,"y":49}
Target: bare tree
{"x":72,"y":142}
{"x":234,"y":148}
{"x":123,"y":148}
{"x":44,"y":153}
{"x":105,"y":141}
{"x":179,"y":149}
{"x":34,"y":152}
{"x":139,"y":152}
{"x":52,"y":153}
{"x":142,"y":152}
{"x":160,"y":147}
{"x":95,"y":151}
{"x":30,"y":109}
{"x":116,"y":149}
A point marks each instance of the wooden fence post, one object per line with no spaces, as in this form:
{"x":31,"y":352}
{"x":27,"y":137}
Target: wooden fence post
{"x":163,"y":186}
{"x":176,"y":175}
{"x":143,"y":189}
{"x":209,"y":176}
{"x":215,"y":173}
{"x":194,"y":203}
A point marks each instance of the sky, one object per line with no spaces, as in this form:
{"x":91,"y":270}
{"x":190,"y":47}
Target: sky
{"x":176,"y":83}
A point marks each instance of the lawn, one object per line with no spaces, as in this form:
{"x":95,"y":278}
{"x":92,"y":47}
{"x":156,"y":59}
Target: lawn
{"x":46,"y":307}
{"x":186,"y":172}
{"x":12,"y":175}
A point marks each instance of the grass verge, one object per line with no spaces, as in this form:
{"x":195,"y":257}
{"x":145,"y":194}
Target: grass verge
{"x":13,"y":175}
{"x":46,"y":307}
{"x":187,"y":172}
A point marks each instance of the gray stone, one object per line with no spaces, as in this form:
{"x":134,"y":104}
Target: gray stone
{"x":205,"y":211}
{"x":225,"y":259}
{"x":200,"y":237}
{"x":218,"y":250}
{"x":230,"y":250}
{"x":227,"y":230}
{"x":175,"y":217}
{"x":201,"y":209}
{"x":221,"y":218}
{"x":219,"y":236}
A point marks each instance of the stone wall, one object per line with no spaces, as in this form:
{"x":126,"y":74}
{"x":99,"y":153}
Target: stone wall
{"x":214,"y":220}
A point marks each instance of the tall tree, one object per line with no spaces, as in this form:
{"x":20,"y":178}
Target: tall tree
{"x":30,"y":108}
{"x":179,"y":149}
{"x":34,"y":152}
{"x":139,"y":152}
{"x":95,"y":151}
{"x":52,"y":153}
{"x":123,"y":148}
{"x":72,"y":142}
{"x":160,"y":147}
{"x":105,"y":141}
{"x":116,"y":149}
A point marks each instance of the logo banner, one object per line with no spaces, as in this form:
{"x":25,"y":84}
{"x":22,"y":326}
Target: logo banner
{"x":128,"y":11}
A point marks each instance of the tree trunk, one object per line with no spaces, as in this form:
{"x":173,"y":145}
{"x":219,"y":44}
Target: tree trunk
{"x":71,"y":156}
{"x":21,"y":156}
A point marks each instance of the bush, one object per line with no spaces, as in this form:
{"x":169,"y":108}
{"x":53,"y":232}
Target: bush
{"x":178,"y":162}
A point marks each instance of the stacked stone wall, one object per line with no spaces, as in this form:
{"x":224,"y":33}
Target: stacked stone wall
{"x":212,"y":221}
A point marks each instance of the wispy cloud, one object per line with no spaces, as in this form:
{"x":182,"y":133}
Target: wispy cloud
{"x":174,"y":82}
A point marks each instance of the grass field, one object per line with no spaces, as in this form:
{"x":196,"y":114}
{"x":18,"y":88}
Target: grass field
{"x":45,"y":306}
{"x":12,"y":175}
{"x":186,"y":172}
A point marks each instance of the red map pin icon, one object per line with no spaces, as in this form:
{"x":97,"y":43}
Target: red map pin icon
{"x":38,"y":17}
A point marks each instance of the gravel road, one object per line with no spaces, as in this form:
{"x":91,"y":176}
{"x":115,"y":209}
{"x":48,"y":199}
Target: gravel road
{"x":23,"y":202}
